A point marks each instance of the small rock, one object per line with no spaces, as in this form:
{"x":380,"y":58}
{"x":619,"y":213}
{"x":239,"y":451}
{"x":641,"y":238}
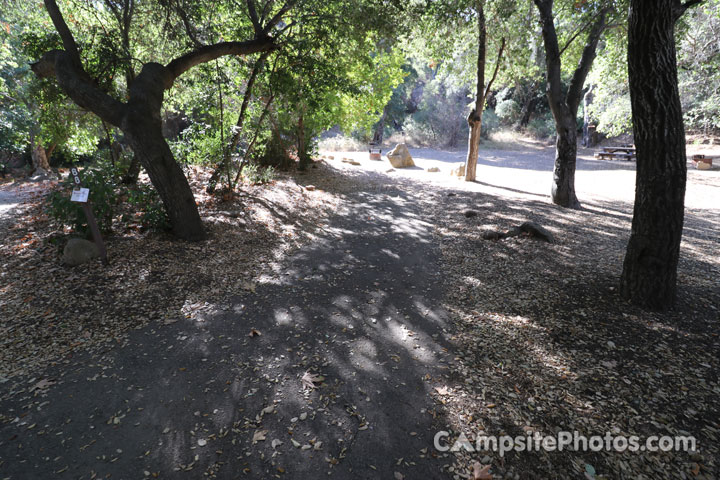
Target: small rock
{"x":310,"y":188}
{"x":537,"y":231}
{"x":458,"y":171}
{"x":470,"y":213}
{"x":433,"y":169}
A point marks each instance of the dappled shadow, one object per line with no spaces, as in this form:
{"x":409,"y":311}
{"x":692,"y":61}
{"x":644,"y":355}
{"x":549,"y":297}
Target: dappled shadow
{"x":359,"y":305}
{"x":544,"y":329}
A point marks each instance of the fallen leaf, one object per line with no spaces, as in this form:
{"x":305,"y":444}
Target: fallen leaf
{"x":310,"y":379}
{"x":42,"y":384}
{"x":259,"y":436}
{"x":481,"y":472}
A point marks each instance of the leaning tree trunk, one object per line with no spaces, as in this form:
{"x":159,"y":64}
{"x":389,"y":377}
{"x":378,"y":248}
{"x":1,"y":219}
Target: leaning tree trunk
{"x":650,"y":269}
{"x":142,"y":125}
{"x":563,"y":184}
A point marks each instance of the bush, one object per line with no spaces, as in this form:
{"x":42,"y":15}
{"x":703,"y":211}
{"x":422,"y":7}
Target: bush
{"x":258,"y":175}
{"x":542,"y":127}
{"x":198,"y":145}
{"x":146,"y":199}
{"x":508,"y":111}
{"x":102,"y":183}
{"x":490,"y":122}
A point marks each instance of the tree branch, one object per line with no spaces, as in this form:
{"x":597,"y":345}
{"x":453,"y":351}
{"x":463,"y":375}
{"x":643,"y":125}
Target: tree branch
{"x":75,"y":83}
{"x":278,"y":16}
{"x":252,"y":12}
{"x":684,"y":6}
{"x":552,"y":54}
{"x":497,"y":67}
{"x":574,"y":93}
{"x":210,"y":52}
{"x":65,"y":34}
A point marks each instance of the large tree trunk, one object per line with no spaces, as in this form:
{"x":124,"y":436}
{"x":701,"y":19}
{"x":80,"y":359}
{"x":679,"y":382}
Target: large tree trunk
{"x":142,"y":124}
{"x":40,"y":161}
{"x":650,"y":269}
{"x":563,"y":185}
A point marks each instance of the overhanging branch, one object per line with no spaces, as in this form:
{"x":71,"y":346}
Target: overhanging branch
{"x":210,"y":52}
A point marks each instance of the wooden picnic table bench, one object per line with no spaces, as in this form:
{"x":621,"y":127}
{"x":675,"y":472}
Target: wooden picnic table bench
{"x":616,"y":153}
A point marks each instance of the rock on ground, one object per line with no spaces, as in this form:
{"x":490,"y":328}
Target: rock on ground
{"x":400,"y":157}
{"x":78,"y":251}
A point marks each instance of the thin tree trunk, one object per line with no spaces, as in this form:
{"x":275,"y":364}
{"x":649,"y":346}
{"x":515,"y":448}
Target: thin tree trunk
{"x":237,"y":130}
{"x":251,"y":146}
{"x":475,"y":118}
{"x":649,"y":276}
{"x":40,"y":162}
{"x":564,"y":107}
{"x":304,"y":158}
{"x":133,"y":172}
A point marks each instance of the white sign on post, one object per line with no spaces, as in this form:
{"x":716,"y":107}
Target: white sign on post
{"x":80,"y":195}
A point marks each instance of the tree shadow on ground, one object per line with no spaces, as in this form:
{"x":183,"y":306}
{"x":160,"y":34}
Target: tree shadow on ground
{"x":215,"y":390}
{"x":545,"y":330}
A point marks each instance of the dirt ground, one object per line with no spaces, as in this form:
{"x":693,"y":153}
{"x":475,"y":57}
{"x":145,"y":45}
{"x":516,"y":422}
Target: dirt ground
{"x":499,"y":337}
{"x":545,"y":343}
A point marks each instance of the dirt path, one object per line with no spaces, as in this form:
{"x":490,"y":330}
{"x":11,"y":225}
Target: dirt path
{"x":359,"y":306}
{"x":9,"y":201}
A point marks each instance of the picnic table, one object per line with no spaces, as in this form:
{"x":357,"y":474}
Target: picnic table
{"x":617,"y":153}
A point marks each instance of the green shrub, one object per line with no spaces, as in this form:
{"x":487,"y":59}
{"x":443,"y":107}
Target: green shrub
{"x":146,"y":199}
{"x":258,"y":175}
{"x":542,"y":127}
{"x":490,"y":122}
{"x":198,"y":145}
{"x":508,"y":111}
{"x":101,"y":181}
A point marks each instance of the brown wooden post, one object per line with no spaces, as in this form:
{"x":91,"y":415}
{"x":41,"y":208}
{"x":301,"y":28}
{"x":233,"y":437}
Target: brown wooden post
{"x":92,"y":223}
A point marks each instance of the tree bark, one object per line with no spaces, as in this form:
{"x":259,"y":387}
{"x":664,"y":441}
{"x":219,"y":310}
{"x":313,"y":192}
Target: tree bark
{"x":40,"y":161}
{"x":133,"y":172}
{"x":564,"y":107}
{"x":475,"y":118}
{"x":587,"y":141}
{"x":649,"y":276}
